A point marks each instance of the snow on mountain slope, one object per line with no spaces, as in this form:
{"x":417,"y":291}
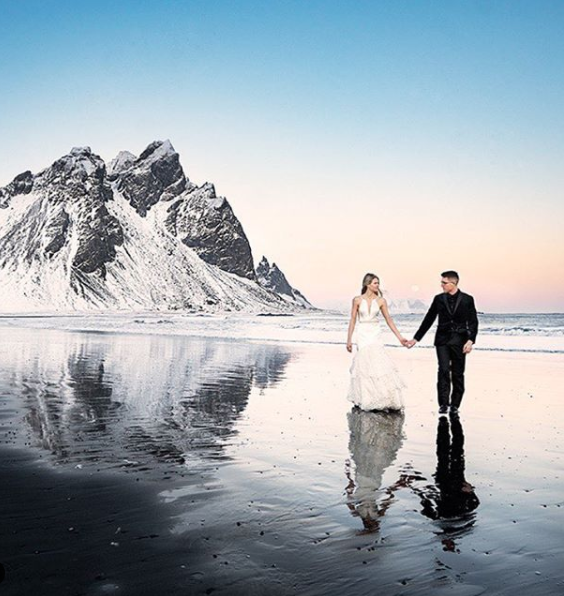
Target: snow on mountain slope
{"x":74,"y":237}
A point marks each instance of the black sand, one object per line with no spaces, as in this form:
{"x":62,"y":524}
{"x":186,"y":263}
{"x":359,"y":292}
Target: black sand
{"x":156,"y":465}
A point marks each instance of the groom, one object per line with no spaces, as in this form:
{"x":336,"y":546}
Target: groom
{"x":455,"y":337}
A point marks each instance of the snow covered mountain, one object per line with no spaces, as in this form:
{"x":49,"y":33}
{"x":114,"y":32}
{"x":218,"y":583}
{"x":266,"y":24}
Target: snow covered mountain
{"x":137,"y":234}
{"x":406,"y":306}
{"x":272,"y":278}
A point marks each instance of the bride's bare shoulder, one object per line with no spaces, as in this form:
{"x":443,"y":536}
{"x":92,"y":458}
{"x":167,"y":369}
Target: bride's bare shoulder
{"x":357,"y":299}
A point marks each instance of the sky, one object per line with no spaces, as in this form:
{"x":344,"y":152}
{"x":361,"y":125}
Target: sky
{"x":396,"y":137}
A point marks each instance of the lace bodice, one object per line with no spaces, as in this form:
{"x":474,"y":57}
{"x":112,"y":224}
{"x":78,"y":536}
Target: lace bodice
{"x":368,"y":313}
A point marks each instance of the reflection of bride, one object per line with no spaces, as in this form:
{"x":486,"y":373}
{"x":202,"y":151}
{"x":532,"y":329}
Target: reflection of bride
{"x":375,"y":438}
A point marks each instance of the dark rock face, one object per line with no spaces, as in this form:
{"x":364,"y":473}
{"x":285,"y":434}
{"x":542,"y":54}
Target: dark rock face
{"x":72,"y":193}
{"x":207,"y":224}
{"x":65,"y":236}
{"x":80,"y":174}
{"x":99,"y":233}
{"x":80,"y":179}
{"x":55,"y":234}
{"x":201,"y":220}
{"x":20,"y":185}
{"x":300,"y":298}
{"x":156,"y":175}
{"x":272,"y":278}
{"x":121,"y":162}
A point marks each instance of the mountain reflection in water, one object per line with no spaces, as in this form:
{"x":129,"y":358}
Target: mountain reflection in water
{"x":135,"y":399}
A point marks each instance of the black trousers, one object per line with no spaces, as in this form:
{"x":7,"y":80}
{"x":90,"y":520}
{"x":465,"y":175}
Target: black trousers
{"x":450,"y":379}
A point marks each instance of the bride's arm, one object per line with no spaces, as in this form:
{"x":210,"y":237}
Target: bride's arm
{"x":354,"y":311}
{"x":384,"y":310}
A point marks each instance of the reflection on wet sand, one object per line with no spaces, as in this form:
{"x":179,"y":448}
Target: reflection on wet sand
{"x":375,"y":439}
{"x":451,"y":500}
{"x":269,"y":517}
{"x":76,"y":397}
{"x":138,"y":399}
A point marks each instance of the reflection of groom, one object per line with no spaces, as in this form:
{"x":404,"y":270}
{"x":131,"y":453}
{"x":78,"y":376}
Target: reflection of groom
{"x":452,"y":495}
{"x":455,"y":336}
{"x":451,"y":498}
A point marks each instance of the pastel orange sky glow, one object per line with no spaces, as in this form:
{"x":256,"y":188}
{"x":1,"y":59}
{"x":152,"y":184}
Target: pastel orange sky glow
{"x":392,"y":137}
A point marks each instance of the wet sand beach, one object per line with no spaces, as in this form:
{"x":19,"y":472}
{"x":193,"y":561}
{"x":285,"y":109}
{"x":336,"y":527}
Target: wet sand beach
{"x":138,"y":464}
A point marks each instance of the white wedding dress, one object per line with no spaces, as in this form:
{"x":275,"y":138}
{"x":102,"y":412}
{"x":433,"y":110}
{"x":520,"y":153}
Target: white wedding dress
{"x":375,"y":382}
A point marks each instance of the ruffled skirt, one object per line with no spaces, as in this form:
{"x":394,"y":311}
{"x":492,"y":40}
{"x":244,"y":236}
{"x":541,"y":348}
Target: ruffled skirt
{"x":375,"y":382}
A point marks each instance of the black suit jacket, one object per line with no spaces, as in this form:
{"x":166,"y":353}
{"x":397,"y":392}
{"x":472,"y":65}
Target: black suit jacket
{"x":456,"y":326}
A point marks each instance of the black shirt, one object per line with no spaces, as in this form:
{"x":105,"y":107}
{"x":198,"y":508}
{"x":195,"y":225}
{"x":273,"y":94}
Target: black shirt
{"x":452,"y":298}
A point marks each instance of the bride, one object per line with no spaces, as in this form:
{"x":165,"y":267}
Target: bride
{"x":375,"y":382}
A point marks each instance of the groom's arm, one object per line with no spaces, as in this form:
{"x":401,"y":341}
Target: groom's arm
{"x":472,"y":321}
{"x":427,"y":321}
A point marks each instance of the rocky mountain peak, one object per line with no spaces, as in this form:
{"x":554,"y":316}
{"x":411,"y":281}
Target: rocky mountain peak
{"x":206,"y":223}
{"x":272,"y":278}
{"x":78,"y":174}
{"x":69,"y":221}
{"x":156,"y":175}
{"x":158,"y":149}
{"x":80,"y":162}
{"x":78,"y":239}
{"x":207,"y":194}
{"x":263,"y":268}
{"x":122,"y":161}
{"x":81,"y":151}
{"x":208,"y":188}
{"x":20,"y":185}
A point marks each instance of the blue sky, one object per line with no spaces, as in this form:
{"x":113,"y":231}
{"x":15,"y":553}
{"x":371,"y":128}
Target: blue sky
{"x":348,"y":136}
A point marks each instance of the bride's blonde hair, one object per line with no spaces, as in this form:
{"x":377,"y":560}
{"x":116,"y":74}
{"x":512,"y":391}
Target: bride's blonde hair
{"x":367,"y":280}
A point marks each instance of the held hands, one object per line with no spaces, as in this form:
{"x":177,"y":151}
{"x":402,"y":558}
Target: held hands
{"x":409,"y":343}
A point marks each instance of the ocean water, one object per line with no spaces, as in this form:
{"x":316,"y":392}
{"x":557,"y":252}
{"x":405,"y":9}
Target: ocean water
{"x":542,"y":333}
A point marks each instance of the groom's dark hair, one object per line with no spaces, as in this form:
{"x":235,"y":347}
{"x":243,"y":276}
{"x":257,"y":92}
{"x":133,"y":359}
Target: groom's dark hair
{"x":450,"y":275}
